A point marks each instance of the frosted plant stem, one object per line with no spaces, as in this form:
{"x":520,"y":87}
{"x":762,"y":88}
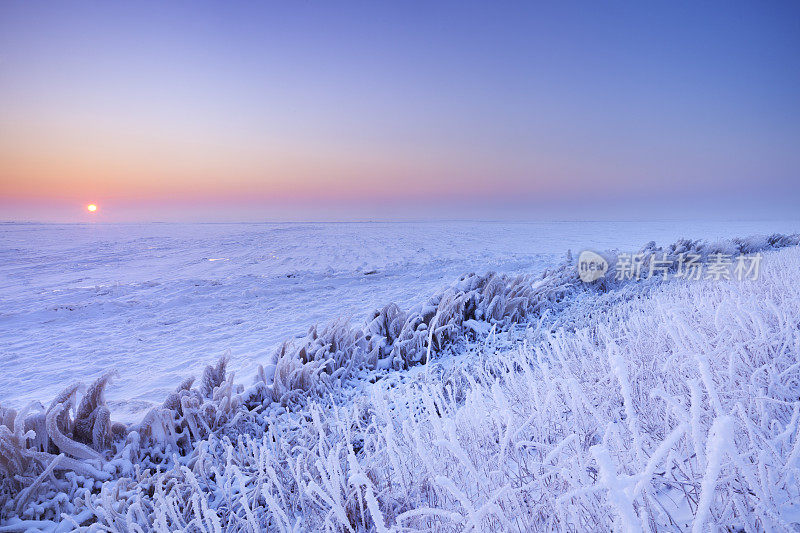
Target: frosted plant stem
{"x":616,"y":489}
{"x":720,"y":439}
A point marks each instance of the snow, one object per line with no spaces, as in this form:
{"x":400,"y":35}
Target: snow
{"x":158,"y":301}
{"x":497,"y":402}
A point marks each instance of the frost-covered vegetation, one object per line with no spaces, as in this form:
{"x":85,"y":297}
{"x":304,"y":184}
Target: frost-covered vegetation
{"x":502,"y":403}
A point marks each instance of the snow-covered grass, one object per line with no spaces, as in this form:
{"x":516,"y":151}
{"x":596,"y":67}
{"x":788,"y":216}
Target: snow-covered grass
{"x":157,"y":301}
{"x":642,"y":406}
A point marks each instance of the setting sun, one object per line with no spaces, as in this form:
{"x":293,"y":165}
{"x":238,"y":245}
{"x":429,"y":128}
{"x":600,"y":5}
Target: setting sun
{"x":91,"y":208}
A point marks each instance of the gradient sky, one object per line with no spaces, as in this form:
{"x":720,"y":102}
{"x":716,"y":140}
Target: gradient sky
{"x":226,"y":111}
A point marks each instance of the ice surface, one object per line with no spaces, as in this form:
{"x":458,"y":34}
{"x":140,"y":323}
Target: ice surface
{"x":159,"y":301}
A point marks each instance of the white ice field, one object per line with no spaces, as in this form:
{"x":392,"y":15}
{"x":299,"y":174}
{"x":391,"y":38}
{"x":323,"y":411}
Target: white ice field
{"x":648,"y":406}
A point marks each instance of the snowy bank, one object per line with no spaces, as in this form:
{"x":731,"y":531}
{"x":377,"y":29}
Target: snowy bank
{"x":648,"y":405}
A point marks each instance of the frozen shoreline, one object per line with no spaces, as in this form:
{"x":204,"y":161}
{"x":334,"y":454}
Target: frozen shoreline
{"x":224,"y":408}
{"x":157,"y":301}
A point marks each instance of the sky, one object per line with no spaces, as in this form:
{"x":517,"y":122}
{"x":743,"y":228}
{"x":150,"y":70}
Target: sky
{"x":360,"y":110}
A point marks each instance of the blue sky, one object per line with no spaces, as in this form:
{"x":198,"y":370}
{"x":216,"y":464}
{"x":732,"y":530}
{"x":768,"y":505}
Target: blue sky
{"x":206,"y":110}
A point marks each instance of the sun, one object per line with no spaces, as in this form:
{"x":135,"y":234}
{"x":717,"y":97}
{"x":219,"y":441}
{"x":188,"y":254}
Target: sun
{"x":91,"y":208}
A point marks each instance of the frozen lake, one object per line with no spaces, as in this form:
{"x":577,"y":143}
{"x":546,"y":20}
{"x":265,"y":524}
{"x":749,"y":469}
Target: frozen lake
{"x":159,"y":301}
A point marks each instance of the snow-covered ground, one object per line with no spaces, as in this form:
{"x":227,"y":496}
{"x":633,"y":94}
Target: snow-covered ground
{"x":158,"y":301}
{"x":549,"y":404}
